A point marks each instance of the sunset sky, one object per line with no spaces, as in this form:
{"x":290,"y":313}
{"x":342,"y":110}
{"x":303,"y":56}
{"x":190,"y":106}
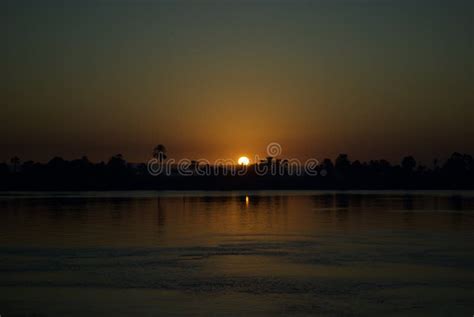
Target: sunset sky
{"x":220,"y":79}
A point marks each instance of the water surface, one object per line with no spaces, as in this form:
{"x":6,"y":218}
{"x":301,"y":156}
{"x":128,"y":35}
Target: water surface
{"x":237,"y":253}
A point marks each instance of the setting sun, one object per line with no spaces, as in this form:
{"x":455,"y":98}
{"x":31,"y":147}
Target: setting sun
{"x":243,"y":160}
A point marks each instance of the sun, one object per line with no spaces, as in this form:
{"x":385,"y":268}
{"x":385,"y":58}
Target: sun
{"x":243,"y":160}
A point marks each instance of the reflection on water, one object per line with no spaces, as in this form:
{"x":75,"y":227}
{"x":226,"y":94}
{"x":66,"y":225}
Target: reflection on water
{"x":257,"y":253}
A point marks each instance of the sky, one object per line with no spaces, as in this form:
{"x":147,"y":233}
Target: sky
{"x":219,"y":79}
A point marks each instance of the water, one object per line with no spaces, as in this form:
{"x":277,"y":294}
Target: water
{"x":237,"y":253}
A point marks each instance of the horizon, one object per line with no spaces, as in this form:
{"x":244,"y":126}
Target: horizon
{"x":429,"y":163}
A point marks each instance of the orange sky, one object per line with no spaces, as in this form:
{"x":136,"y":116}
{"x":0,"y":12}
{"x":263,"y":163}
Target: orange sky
{"x":221,"y":79}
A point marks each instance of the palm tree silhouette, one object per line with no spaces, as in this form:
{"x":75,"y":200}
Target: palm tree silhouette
{"x":159,"y":152}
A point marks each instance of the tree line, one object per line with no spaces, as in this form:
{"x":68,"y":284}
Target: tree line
{"x":456,"y":172}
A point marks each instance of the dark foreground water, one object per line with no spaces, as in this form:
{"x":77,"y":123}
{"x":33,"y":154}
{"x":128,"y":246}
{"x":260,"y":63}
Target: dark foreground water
{"x":234,"y":253}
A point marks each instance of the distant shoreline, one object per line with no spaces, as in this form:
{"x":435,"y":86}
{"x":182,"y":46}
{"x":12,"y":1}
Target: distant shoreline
{"x":456,"y":173}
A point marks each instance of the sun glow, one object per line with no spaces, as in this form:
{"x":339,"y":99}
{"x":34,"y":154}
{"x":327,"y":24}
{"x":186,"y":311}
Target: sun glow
{"x":243,"y":160}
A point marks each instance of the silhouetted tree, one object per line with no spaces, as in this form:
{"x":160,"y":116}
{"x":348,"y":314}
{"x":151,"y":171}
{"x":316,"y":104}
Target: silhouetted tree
{"x":57,"y":163}
{"x":408,"y":163}
{"x":457,"y":172}
{"x":159,"y":152}
{"x":117,"y":161}
{"x":85,"y":160}
{"x":342,"y":162}
{"x":328,"y":165}
{"x":458,"y":168}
